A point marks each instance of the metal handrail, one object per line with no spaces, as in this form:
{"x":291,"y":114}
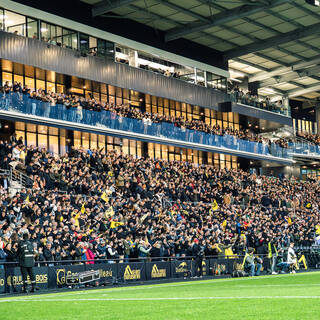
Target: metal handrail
{"x":18,"y":176}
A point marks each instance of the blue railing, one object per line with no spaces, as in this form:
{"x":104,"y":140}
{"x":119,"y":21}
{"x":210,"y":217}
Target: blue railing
{"x":304,"y":148}
{"x":24,"y":104}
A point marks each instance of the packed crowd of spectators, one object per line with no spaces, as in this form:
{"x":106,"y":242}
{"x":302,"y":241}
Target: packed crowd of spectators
{"x":81,"y":103}
{"x":250,"y":99}
{"x":90,"y":204}
{"x":313,"y":138}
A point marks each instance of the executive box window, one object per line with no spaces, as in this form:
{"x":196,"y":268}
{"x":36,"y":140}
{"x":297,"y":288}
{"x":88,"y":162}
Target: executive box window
{"x":50,"y":138}
{"x":33,"y":78}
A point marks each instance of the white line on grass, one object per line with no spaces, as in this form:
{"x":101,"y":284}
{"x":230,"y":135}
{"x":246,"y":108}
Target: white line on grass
{"x":159,"y":299}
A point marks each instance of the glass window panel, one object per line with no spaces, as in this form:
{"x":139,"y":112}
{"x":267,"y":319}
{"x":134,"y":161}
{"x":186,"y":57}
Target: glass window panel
{"x":85,"y":140}
{"x":125,"y":146}
{"x":15,"y":23}
{"x":31,"y":127}
{"x":111,"y":90}
{"x":147,"y":98}
{"x":154,"y":100}
{"x":40,"y":85}
{"x":51,"y":87}
{"x":32,"y":28}
{"x":139,"y":148}
{"x":53,"y":131}
{"x":150,"y":150}
{"x":93,"y":141}
{"x":31,"y":139}
{"x":29,"y":82}
{"x":101,"y":141}
{"x":42,"y":141}
{"x":133,"y":147}
{"x":20,"y":126}
{"x":60,"y":88}
{"x":20,"y":134}
{"x":7,"y":65}
{"x":42,"y":129}
{"x":63,"y":146}
{"x":148,"y":108}
{"x":154,"y":109}
{"x":166,"y":103}
{"x":18,"y":78}
{"x":6,"y":76}
{"x":84,"y":43}
{"x":63,"y":132}
{"x":88,"y":94}
{"x":45,"y":32}
{"x":118,"y":92}
{"x":77,"y":139}
{"x":1,"y":19}
{"x":118,"y":101}
{"x":225,"y":116}
{"x":104,"y":98}
{"x":54,"y":144}
{"x":96,"y":96}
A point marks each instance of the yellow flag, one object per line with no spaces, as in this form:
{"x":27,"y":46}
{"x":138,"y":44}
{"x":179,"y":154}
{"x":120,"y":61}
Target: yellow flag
{"x":214,"y":205}
{"x":83,"y":209}
{"x":115,"y":224}
{"x":318,"y":229}
{"x":109,"y":212}
{"x":104,"y":197}
{"x":144,"y":217}
{"x":27,"y":201}
{"x":224,"y":224}
{"x":289,"y":221}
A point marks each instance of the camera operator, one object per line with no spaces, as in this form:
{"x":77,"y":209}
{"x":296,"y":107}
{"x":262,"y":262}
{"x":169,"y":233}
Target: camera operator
{"x":252,"y":264}
{"x":198,"y":253}
{"x":25,"y":254}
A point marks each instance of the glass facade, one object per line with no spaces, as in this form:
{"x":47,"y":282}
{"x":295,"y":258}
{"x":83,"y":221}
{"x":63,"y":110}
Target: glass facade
{"x":31,"y":77}
{"x":89,"y":45}
{"x":56,"y":139}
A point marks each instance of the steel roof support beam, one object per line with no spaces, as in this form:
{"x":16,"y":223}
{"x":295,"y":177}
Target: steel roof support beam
{"x":301,"y":92}
{"x":107,"y":6}
{"x":283,"y":70}
{"x":221,"y":18}
{"x":273,"y":41}
{"x":291,"y":76}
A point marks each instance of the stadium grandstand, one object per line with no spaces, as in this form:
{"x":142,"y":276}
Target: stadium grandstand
{"x":144,"y":142}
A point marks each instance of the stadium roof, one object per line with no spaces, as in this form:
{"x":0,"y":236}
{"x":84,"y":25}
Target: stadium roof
{"x":275,"y":42}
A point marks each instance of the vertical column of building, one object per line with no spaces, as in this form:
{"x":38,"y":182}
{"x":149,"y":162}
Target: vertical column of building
{"x":317,"y":128}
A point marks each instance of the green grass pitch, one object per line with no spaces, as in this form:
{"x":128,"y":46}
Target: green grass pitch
{"x":292,"y":296}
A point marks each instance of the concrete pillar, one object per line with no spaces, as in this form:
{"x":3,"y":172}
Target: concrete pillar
{"x":285,"y":102}
{"x":133,"y":58}
{"x":317,"y":107}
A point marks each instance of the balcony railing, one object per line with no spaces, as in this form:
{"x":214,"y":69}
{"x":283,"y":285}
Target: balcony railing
{"x":260,"y":103}
{"x":23,"y":104}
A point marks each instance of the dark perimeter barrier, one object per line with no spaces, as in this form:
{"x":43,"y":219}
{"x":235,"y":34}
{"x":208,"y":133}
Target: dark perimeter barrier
{"x":53,"y":275}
